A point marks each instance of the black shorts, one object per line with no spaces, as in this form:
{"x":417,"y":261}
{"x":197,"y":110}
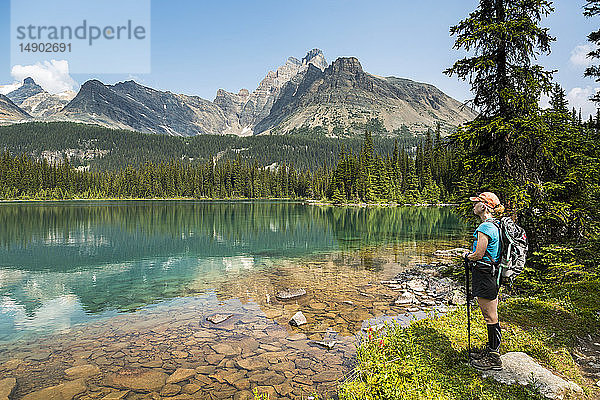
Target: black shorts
{"x":484,"y":284}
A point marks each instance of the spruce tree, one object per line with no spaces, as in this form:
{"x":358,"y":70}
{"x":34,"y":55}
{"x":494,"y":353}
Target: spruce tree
{"x":438,"y":136}
{"x":558,"y":99}
{"x":336,"y":195}
{"x":504,"y":36}
{"x":527,"y":156}
{"x":591,"y":9}
{"x":499,"y":150}
{"x":366,"y":178}
{"x":411,"y":184}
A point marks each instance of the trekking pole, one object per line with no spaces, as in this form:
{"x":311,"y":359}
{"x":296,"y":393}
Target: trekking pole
{"x":468,"y":285}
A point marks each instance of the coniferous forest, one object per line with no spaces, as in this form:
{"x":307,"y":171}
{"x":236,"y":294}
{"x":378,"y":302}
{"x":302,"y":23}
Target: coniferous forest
{"x":103,"y":149}
{"x":92,"y":162}
{"x":400,"y":170}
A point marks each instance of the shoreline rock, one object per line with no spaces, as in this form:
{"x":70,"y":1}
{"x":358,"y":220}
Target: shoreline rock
{"x":520,"y":368}
{"x":424,"y":287}
{"x":424,"y":293}
{"x":218,"y":318}
{"x":290,"y":294}
{"x":325,"y":203}
{"x":298,"y":319}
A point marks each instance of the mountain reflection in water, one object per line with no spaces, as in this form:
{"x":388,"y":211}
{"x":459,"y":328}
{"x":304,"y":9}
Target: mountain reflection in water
{"x":63,"y":262}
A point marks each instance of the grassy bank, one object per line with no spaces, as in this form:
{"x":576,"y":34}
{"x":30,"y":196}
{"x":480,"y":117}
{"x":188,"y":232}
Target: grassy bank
{"x":428,"y":359}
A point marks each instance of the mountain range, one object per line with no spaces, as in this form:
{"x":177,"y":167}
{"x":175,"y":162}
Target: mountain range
{"x":339,"y":97}
{"x":36,"y":102}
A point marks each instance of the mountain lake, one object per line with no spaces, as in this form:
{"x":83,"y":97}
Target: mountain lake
{"x":153,"y":299}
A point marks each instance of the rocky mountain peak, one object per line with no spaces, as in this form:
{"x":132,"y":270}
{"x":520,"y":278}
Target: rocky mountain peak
{"x":35,"y":101}
{"x":93,"y":95}
{"x":316,"y":58}
{"x":342,"y":65}
{"x":28,"y":89}
{"x":245,"y":109}
{"x":344,"y":97}
{"x":293,"y":61}
{"x":90,"y":87}
{"x":128,"y":85}
{"x":130,"y":82}
{"x":92,"y":83}
{"x":306,"y":92}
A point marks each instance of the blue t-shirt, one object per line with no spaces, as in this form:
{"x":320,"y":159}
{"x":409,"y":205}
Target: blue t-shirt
{"x":493,"y":234}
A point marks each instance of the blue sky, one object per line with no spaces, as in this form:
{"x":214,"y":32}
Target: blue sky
{"x":198,"y":47}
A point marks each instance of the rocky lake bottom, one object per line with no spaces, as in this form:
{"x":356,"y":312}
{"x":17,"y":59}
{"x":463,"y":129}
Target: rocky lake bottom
{"x":223,"y":341}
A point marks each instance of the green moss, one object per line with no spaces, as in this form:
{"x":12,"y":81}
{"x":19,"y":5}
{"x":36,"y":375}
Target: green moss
{"x":581,"y":296}
{"x":542,"y":318}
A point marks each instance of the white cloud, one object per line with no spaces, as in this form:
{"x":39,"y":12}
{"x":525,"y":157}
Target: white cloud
{"x":53,"y":75}
{"x":579,"y":55}
{"x":580,"y":99}
{"x":5,"y":89}
{"x":58,"y":314}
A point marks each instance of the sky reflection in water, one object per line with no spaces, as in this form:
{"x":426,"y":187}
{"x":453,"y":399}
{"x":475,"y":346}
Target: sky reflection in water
{"x":65,"y":263}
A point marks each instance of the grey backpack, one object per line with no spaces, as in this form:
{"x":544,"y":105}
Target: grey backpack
{"x":513,"y":245}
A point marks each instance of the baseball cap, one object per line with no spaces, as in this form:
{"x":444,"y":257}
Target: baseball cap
{"x":487,"y":198}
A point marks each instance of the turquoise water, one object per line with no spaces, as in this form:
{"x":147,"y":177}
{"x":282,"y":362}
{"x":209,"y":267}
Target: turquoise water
{"x":67,"y":263}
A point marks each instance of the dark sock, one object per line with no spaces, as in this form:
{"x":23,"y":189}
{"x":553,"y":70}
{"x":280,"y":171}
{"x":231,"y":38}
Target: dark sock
{"x":494,"y":336}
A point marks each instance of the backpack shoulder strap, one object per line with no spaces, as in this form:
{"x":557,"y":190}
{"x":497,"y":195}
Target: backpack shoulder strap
{"x":496,"y":223}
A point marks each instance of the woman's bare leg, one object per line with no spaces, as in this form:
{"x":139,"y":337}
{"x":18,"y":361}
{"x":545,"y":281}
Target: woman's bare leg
{"x":489,"y":309}
{"x":491,"y":359}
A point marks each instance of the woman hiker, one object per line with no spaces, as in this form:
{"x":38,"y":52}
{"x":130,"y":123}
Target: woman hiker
{"x":483,"y":258}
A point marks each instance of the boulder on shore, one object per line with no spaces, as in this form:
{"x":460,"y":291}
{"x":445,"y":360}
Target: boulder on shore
{"x":417,"y":285}
{"x":406,"y":298}
{"x":329,"y":339}
{"x":457,"y":298}
{"x":518,"y":367}
{"x":456,"y":252}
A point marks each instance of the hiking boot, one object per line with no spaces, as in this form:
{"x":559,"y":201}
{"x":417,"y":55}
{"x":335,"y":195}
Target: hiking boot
{"x":491,"y":360}
{"x":477,"y":353}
